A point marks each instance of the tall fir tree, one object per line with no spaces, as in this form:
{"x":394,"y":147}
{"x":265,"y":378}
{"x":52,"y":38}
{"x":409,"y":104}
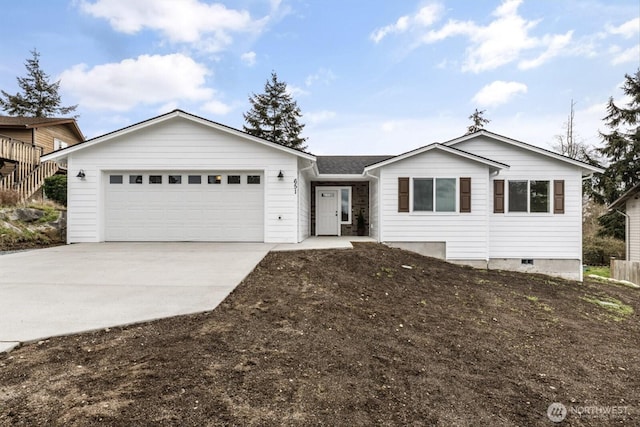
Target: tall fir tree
{"x":622,"y":152}
{"x":274,"y":115}
{"x":477,"y":121}
{"x":39,"y":97}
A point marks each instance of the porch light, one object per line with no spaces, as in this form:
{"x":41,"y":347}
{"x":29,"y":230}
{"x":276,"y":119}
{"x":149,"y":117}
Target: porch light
{"x":81,"y":174}
{"x":280,"y":176}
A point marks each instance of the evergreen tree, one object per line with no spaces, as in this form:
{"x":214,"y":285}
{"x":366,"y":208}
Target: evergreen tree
{"x":39,"y":97}
{"x":274,"y":115}
{"x":622,"y":151}
{"x":478,"y":121}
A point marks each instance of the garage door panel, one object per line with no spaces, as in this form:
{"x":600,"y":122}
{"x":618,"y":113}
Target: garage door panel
{"x":184,"y":212}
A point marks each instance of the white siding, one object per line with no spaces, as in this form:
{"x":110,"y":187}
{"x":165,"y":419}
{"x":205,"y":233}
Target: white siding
{"x":374,"y":208}
{"x":531,"y":235}
{"x":180,"y":144}
{"x":304,"y":203}
{"x":465,"y":234}
{"x":633,"y":230}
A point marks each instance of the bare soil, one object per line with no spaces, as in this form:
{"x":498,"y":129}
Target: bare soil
{"x":369,"y":336}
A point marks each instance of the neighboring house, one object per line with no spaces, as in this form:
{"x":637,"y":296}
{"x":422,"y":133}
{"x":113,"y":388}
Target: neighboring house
{"x":23,"y":140}
{"x":481,"y":199}
{"x":629,"y":202}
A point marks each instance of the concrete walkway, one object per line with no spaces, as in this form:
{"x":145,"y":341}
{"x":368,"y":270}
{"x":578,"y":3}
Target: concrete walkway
{"x":323,"y":242}
{"x":76,"y":288}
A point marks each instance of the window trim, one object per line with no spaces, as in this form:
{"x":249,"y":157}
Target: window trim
{"x":507,"y":197}
{"x":435,"y":211}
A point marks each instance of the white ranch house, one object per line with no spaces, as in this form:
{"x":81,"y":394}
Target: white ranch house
{"x":481,"y":199}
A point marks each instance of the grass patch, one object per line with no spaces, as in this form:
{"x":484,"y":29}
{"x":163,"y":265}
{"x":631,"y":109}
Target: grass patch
{"x":617,"y":308}
{"x":602,"y":270}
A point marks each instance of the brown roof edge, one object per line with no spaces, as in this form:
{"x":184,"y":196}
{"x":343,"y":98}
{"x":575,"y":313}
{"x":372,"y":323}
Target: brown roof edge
{"x":34,"y":122}
{"x":626,"y":196}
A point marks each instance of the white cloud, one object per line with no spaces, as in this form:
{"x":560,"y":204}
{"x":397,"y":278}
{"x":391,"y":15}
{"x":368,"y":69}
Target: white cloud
{"x":217,"y":107}
{"x":425,"y":17}
{"x":146,"y":80}
{"x":629,"y":55}
{"x":506,"y":39}
{"x":626,"y":30}
{"x":498,"y":92}
{"x":209,"y":26}
{"x":315,"y":117}
{"x":296,"y":91}
{"x":249,"y":58}
{"x":323,"y":76}
{"x":555,"y":46}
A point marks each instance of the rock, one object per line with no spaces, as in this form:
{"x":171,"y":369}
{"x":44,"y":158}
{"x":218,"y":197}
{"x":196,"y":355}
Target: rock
{"x":29,"y":214}
{"x":9,"y":226}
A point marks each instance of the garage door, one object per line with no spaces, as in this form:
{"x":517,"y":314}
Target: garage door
{"x":184,"y":206}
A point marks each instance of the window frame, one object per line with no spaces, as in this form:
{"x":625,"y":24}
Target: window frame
{"x":230,"y":177}
{"x":528,"y":211}
{"x":434,"y":203}
{"x":174,"y":179}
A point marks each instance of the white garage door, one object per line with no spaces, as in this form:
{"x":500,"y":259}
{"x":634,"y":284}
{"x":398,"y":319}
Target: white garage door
{"x":184,"y":206}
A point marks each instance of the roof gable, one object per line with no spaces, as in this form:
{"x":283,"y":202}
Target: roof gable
{"x":435,"y":146}
{"x":14,"y":122}
{"x":494,"y":136}
{"x":626,"y":196}
{"x":163,"y":118}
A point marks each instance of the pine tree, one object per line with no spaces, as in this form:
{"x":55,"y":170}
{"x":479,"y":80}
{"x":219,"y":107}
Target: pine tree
{"x":478,"y":121}
{"x":39,"y":97}
{"x":622,"y":151}
{"x":274,"y":115}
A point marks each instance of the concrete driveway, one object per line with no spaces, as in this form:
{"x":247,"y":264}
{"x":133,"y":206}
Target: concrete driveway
{"x":80,"y":287}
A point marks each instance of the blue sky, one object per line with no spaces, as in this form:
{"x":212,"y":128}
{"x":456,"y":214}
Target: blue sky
{"x":371,"y":77}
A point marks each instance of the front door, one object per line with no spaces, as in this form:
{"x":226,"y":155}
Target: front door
{"x":327,"y":213}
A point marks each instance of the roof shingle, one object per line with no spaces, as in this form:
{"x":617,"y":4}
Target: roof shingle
{"x":341,"y":165}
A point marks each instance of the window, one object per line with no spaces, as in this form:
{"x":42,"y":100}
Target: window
{"x":175,"y":179}
{"x":59,"y":144}
{"x":233,"y":179}
{"x":529,"y":196}
{"x":445,"y":195}
{"x":539,"y":196}
{"x":517,"y":196}
{"x":155,"y":179}
{"x":115,"y":179}
{"x":214,"y":179}
{"x":423,"y":194}
{"x":345,"y":205}
{"x":195,"y":179}
{"x":253,"y":179}
{"x":443,"y":199}
{"x":135,"y":179}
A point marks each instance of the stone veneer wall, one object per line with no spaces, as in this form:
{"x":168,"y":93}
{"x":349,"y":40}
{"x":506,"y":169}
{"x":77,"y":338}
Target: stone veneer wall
{"x":359,"y":200}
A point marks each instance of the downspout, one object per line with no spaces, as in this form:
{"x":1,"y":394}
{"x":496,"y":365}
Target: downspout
{"x":379,"y":204}
{"x":627,"y":243}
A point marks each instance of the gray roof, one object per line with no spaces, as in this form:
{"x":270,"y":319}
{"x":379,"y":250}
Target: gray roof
{"x":339,"y":165}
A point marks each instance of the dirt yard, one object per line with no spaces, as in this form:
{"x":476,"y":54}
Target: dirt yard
{"x":363,"y":337}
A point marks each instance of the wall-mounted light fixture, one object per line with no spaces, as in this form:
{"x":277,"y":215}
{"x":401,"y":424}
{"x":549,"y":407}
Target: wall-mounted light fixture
{"x":81,"y":174}
{"x":280,"y":176}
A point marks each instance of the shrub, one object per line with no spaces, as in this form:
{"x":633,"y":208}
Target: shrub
{"x":9,"y":198}
{"x":55,"y":187}
{"x":597,"y":250}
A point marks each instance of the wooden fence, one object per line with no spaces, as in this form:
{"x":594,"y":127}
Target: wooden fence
{"x":625,"y":270}
{"x":29,"y":174}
